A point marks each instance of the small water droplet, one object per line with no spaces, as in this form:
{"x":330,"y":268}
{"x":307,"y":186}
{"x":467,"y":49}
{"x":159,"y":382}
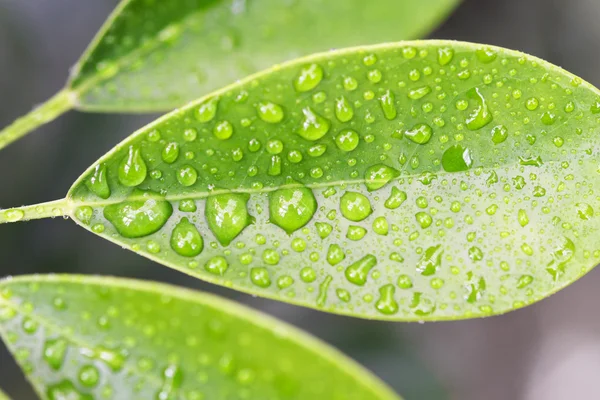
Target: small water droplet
{"x":387,"y":105}
{"x":481,"y":115}
{"x":227,"y":215}
{"x":308,"y":78}
{"x":397,"y":197}
{"x":420,"y":133}
{"x":430,"y":261}
{"x":216,"y":265}
{"x":270,"y":112}
{"x":457,"y":159}
{"x":314,"y":126}
{"x":132,"y":170}
{"x":223,"y":130}
{"x":343,"y":109}
{"x":445,"y":55}
{"x":260,"y":277}
{"x":292,"y":208}
{"x":358,"y":272}
{"x":97,"y":183}
{"x":207,"y":111}
{"x":386,"y":304}
{"x":186,"y":240}
{"x":355,"y":206}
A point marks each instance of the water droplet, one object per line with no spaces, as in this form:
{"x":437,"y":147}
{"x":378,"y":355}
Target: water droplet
{"x":420,"y":133}
{"x":445,"y":55}
{"x":532,"y":103}
{"x":314,"y":126}
{"x":335,"y":254}
{"x":172,"y":380}
{"x":216,"y":265}
{"x":381,"y":226}
{"x":190,"y":134}
{"x":227,"y":215}
{"x":499,"y":134}
{"x":98,"y":182}
{"x":292,"y":208}
{"x":423,"y":219}
{"x":14,"y":215}
{"x":260,"y":277}
{"x":270,"y":112}
{"x":397,"y":197}
{"x":481,"y":115}
{"x":486,"y":55}
{"x":524,"y":280}
{"x":404,"y":282}
{"x":358,"y":272}
{"x":89,"y":376}
{"x":187,"y":206}
{"x":65,"y":390}
{"x":308,"y":78}
{"x":207,"y":111}
{"x":323,"y":229}
{"x":54,"y":352}
{"x":308,"y":275}
{"x":170,"y":153}
{"x":187,"y":175}
{"x":564,"y":251}
{"x":457,"y":159}
{"x":141,"y":216}
{"x":132,"y":170}
{"x":356,"y":232}
{"x":84,"y":214}
{"x":186,"y":240}
{"x":223,"y":130}
{"x":379,"y":175}
{"x":386,"y":304}
{"x":343,"y":109}
{"x":347,"y":140}
{"x":523,"y":218}
{"x":430,"y":261}
{"x":416,"y":94}
{"x":355,"y":206}
{"x":388,"y":106}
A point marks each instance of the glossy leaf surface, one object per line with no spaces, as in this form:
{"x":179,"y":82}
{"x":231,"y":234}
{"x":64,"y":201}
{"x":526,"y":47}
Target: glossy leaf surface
{"x":154,"y":55}
{"x":105,"y":338}
{"x":417,"y":181}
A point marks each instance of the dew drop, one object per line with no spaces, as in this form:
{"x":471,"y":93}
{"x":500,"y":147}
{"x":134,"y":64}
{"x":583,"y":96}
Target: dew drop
{"x":314,"y":126}
{"x":355,"y":206}
{"x":186,"y":240}
{"x":187,"y":175}
{"x":343,"y":109}
{"x":335,"y":254}
{"x":481,"y":115}
{"x":308,"y":78}
{"x":270,"y":112}
{"x":132,"y":170}
{"x":416,"y":94}
{"x":292,"y":208}
{"x":65,"y":390}
{"x":499,"y":134}
{"x":54,"y":352}
{"x":379,"y":175}
{"x":387,"y":105}
{"x":89,"y":376}
{"x":386,"y":304}
{"x":358,"y":272}
{"x":381,"y":226}
{"x":323,"y":229}
{"x":227,"y":215}
{"x":207,"y":111}
{"x":170,"y":153}
{"x":223,"y":130}
{"x":347,"y":140}
{"x":420,"y":133}
{"x":141,"y":216}
{"x":260,"y":277}
{"x":445,"y":55}
{"x":98,"y":182}
{"x":216,"y":265}
{"x":397,"y":197}
{"x":457,"y":159}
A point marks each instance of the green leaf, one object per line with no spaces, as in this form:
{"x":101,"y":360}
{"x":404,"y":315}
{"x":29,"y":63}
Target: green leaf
{"x":3,"y":396}
{"x":414,"y":181}
{"x":158,"y":55}
{"x":86,"y":338}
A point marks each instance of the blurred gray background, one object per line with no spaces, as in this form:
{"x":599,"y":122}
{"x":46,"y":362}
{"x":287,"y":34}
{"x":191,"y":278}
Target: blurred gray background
{"x":549,"y":351}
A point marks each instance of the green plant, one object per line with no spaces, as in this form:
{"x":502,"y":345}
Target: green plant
{"x":423,"y":180}
{"x":144,"y":45}
{"x":131,"y":339}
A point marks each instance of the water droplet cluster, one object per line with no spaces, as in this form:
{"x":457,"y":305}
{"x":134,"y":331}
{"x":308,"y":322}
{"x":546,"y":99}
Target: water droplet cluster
{"x":408,"y":182}
{"x":105,"y":339}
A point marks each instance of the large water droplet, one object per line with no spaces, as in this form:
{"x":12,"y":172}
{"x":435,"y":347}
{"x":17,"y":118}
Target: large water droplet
{"x":347,"y":140}
{"x":387,"y":105}
{"x":143,"y":215}
{"x":343,"y":109}
{"x":186,"y":240}
{"x":397,"y":197}
{"x":456,"y":159}
{"x":308,"y":78}
{"x":260,"y":277}
{"x":54,"y":352}
{"x":481,"y":115}
{"x":292,"y":208}
{"x":270,"y":112}
{"x":132,"y":170}
{"x":217,"y":265}
{"x":355,"y":206}
{"x":187,"y":175}
{"x":379,"y":175}
{"x":358,"y":272}
{"x":227,"y":215}
{"x":420,"y":133}
{"x":314,"y":126}
{"x":386,"y":304}
{"x":98,"y":182}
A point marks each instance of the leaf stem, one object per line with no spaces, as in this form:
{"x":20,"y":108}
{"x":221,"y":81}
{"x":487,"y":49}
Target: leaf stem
{"x":45,"y":112}
{"x":51,"y":209}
